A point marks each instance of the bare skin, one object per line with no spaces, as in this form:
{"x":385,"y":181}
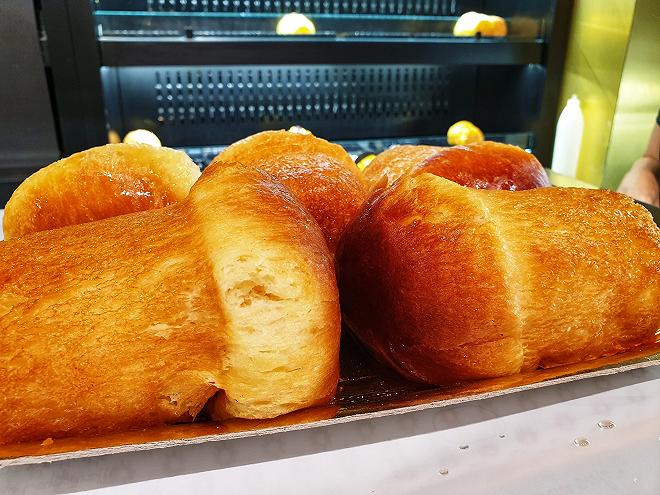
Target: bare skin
{"x":641,"y":181}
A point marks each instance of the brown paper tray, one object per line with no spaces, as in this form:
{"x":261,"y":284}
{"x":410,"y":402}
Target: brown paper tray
{"x":366,"y":390}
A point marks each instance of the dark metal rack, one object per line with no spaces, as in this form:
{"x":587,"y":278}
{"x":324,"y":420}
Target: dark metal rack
{"x":105,"y":59}
{"x":198,"y":106}
{"x":397,"y":7}
{"x":304,"y":50}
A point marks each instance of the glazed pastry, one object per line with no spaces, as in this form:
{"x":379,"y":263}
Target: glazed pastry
{"x":321,"y":175}
{"x":391,"y":164}
{"x":226,"y":299}
{"x":98,"y":183}
{"x":446,"y":283}
{"x":486,"y":165}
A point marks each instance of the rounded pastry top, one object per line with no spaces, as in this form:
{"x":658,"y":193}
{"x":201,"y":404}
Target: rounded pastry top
{"x":321,"y":175}
{"x":99,"y":183}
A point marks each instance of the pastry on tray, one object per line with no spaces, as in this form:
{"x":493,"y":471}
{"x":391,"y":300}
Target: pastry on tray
{"x":446,"y":283}
{"x":225,"y":300}
{"x":391,"y":164}
{"x":321,"y":175}
{"x":485,"y":165}
{"x":135,"y":294}
{"x":98,"y":183}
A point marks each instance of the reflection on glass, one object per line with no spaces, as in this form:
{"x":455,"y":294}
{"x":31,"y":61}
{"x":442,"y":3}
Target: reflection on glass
{"x":334,"y":18}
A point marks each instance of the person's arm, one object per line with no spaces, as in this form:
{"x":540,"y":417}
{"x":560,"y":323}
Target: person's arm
{"x":641,"y":181}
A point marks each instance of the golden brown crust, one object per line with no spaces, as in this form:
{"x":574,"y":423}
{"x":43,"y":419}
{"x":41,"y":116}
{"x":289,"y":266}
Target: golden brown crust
{"x":396,"y":162}
{"x":321,"y":175}
{"x":99,"y":183}
{"x":486,"y":165}
{"x":140,"y":319}
{"x":447,"y":283}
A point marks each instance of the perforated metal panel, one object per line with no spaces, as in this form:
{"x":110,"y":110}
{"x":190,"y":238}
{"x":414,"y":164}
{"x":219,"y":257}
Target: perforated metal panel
{"x":383,"y":7}
{"x":189,"y":106}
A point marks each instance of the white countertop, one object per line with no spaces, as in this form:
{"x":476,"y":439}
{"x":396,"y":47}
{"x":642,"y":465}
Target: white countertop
{"x":521,"y":443}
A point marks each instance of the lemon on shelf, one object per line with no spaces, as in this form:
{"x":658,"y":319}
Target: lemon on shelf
{"x":113,"y":137}
{"x":364,"y":161}
{"x":142,"y":136}
{"x":475,"y":23}
{"x":295,"y":23}
{"x":498,"y":26}
{"x":297,"y":129}
{"x":464,"y":132}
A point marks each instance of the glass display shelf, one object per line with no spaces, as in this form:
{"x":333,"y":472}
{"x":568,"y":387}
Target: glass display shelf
{"x":339,"y":18}
{"x":218,"y":24}
{"x":151,"y":32}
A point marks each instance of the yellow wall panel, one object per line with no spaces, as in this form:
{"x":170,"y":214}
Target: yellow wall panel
{"x":639,"y":94}
{"x":595,"y":58}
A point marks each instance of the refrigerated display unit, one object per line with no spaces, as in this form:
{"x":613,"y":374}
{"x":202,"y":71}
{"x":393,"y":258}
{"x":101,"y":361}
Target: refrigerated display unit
{"x":201,"y":74}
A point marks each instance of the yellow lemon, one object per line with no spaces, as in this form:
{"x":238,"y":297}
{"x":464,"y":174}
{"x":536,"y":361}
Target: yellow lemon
{"x":464,"y":132}
{"x":498,"y":26}
{"x":471,"y":23}
{"x":297,"y":129}
{"x":363,"y":162}
{"x":142,"y":136}
{"x":113,"y":137}
{"x":295,"y":23}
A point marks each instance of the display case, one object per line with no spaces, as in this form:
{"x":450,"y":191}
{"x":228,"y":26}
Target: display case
{"x":201,"y":74}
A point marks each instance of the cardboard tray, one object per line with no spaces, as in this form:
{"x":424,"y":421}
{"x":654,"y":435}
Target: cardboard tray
{"x":366,"y":390}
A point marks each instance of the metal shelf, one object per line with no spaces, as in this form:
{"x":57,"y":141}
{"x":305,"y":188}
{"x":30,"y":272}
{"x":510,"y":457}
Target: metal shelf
{"x":122,"y":52}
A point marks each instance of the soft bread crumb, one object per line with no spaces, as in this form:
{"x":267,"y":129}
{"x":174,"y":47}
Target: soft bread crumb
{"x":267,"y":302}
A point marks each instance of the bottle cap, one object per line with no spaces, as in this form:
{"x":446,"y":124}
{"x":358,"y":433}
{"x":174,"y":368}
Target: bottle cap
{"x":573,"y":100}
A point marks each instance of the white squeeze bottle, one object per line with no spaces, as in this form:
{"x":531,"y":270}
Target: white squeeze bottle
{"x":568,"y":139}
